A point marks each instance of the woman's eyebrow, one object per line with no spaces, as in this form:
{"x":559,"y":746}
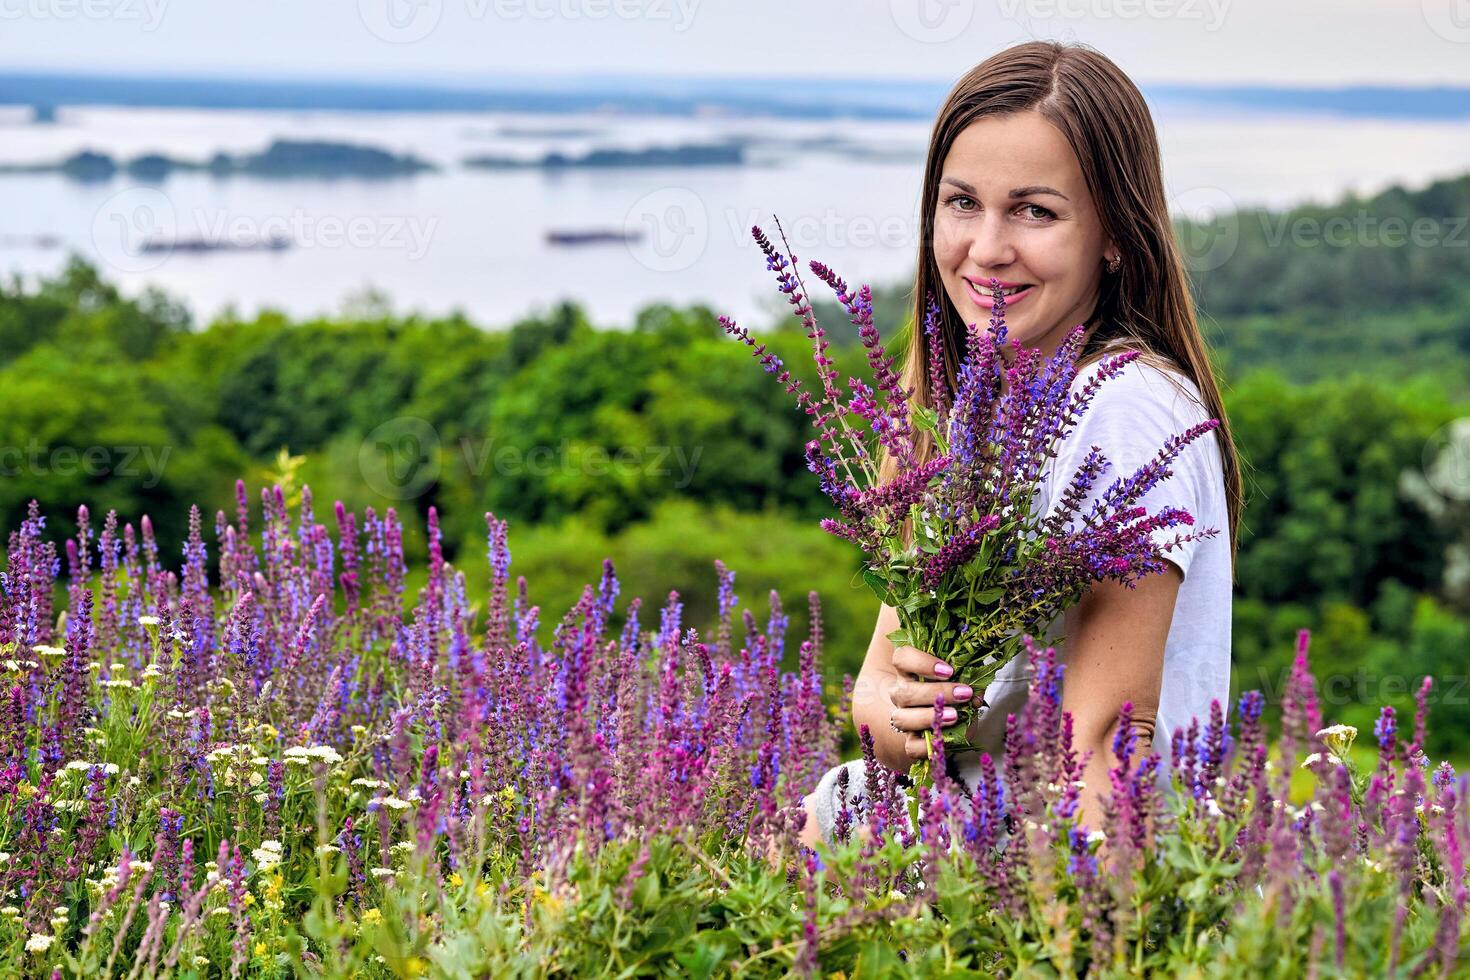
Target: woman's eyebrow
{"x":1018,"y":192}
{"x":1038,"y":189}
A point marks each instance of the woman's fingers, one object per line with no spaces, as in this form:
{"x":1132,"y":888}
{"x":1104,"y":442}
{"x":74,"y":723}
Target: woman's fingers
{"x":914,"y":747}
{"x":920,"y":719}
{"x":917,"y":694}
{"x":915,"y":661}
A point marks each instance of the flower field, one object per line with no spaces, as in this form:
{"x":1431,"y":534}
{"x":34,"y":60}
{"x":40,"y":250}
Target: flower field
{"x":269,"y":759}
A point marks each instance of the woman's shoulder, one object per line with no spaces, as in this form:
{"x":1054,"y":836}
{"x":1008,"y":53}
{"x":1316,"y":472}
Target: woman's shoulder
{"x":1148,"y":379}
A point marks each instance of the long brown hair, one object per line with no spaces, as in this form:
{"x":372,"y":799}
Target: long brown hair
{"x":1145,"y":305}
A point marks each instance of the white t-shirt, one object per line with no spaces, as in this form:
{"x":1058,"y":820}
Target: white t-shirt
{"x":1129,"y":419}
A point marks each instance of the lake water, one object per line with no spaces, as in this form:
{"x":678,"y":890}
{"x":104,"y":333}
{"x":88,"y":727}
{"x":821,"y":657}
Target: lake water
{"x":474,"y":240}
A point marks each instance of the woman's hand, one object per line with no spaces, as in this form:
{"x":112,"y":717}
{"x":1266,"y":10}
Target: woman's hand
{"x":922,"y":679}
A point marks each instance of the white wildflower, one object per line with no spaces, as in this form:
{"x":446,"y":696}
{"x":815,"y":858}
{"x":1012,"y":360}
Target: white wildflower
{"x":39,"y":943}
{"x":383,"y":872}
{"x":392,"y":802}
{"x":267,"y":857}
{"x":1339,"y":738}
{"x":370,"y":783}
{"x":46,"y":650}
{"x":149,"y":620}
{"x":123,"y":682}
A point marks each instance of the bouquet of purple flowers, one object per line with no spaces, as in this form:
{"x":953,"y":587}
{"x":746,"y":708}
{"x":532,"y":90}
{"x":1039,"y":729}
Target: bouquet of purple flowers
{"x":953,"y":542}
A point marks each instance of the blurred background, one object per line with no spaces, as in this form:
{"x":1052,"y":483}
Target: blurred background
{"x":469,"y":254}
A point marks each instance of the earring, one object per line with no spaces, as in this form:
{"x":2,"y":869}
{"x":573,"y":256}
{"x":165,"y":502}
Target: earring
{"x":1115,"y":263}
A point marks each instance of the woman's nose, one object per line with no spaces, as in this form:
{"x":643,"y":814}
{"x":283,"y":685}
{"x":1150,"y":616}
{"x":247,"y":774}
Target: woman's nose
{"x":990,"y":245}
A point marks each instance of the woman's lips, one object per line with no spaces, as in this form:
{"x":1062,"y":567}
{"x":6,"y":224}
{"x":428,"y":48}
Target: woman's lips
{"x":986,"y":301}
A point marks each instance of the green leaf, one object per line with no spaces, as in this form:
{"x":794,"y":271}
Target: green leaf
{"x":990,"y":595}
{"x":901,"y":638}
{"x":877,"y":584}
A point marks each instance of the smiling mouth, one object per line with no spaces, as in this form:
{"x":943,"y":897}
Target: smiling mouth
{"x":984,"y":288}
{"x":983,"y":297}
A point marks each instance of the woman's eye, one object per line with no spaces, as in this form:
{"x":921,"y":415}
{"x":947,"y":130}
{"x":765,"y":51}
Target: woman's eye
{"x":959,"y":197}
{"x":1037,"y":212}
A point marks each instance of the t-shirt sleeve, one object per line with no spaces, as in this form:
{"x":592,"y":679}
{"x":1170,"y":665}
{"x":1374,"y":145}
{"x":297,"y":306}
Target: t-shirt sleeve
{"x":1130,"y":418}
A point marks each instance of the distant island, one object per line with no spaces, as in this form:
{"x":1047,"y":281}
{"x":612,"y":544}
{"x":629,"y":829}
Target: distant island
{"x":593,"y":236}
{"x":688,"y":155}
{"x":283,"y":158}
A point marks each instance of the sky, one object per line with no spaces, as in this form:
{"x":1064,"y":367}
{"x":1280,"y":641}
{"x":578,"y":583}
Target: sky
{"x":1304,"y":42}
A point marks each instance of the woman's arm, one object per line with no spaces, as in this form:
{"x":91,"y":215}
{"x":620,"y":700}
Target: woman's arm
{"x":1114,"y":653}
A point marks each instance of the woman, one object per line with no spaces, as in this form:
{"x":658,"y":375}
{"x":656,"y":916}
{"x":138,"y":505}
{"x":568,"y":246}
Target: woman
{"x":1043,"y":172}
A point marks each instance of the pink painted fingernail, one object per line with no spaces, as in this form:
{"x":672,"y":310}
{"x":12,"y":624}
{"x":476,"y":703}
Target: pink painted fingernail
{"x":949,"y":714}
{"x":943,"y":669}
{"x":962,"y":692}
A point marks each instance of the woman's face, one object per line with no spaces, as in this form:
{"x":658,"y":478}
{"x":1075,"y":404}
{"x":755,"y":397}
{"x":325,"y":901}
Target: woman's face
{"x":1013,"y":205}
